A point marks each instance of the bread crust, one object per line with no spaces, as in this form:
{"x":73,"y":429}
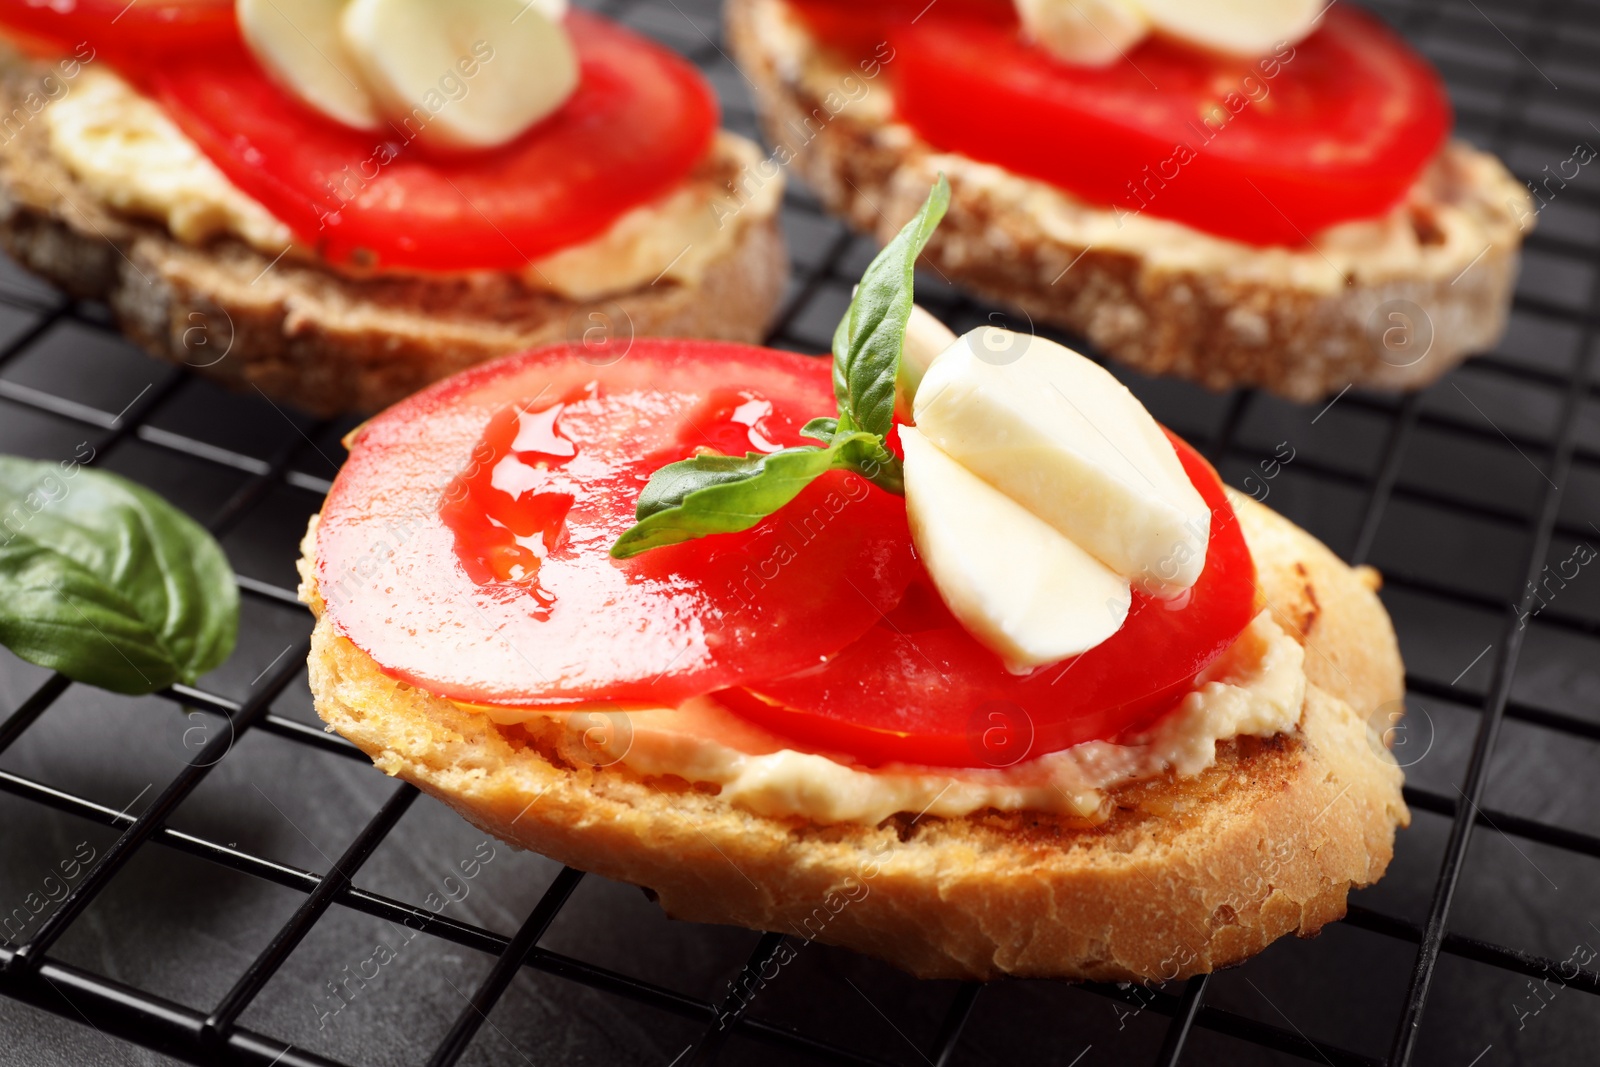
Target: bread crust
{"x":1228,"y":315}
{"x":326,"y":341}
{"x":1185,"y":876}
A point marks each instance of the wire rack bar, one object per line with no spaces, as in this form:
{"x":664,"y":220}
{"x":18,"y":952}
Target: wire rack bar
{"x":1276,"y":1037}
{"x":415,"y":918}
{"x":1460,"y":427}
{"x":1222,"y":440}
{"x":1552,"y":617}
{"x":31,"y":952}
{"x":1559,"y":721}
{"x":746,"y":987}
{"x":1431,"y":419}
{"x":1482,"y":511}
{"x":1232,"y":1024}
{"x":1183,"y":1016}
{"x":498,"y":980}
{"x":30,"y":710}
{"x":305,"y":733}
{"x":1476,"y":779}
{"x":1383,"y":486}
{"x":1526,"y":373}
{"x":24,"y":340}
{"x":955,"y":1020}
{"x":251,"y":492}
{"x":119,"y":1011}
{"x":267,"y":591}
{"x":1513,"y":960}
{"x":116,"y":1010}
{"x":1183,"y":1019}
{"x":227,"y":1012}
{"x":470,"y":936}
{"x":1507,"y":823}
{"x":1464,"y":817}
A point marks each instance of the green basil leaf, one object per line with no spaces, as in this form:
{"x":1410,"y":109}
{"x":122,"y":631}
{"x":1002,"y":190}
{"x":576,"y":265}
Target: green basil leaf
{"x":669,"y":486}
{"x":106,"y":582}
{"x":821,"y":429}
{"x":712,"y":494}
{"x":868,"y":342}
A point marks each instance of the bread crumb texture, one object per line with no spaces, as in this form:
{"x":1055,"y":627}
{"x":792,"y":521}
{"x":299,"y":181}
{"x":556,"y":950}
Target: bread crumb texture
{"x":1185,"y":876}
{"x":330,"y":341}
{"x":1155,"y":294}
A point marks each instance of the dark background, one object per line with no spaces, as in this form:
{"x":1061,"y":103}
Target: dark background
{"x":1452,"y":494}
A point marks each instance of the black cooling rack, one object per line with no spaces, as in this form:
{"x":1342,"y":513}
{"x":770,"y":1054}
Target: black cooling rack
{"x":206,"y":875}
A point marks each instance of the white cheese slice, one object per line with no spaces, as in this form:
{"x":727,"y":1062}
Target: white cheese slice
{"x":469,"y":74}
{"x":1019,"y":586}
{"x":925,"y":338}
{"x":1062,"y":438}
{"x":1095,"y":33}
{"x":1238,"y":27}
{"x":298,"y":42}
{"x":1091,"y":33}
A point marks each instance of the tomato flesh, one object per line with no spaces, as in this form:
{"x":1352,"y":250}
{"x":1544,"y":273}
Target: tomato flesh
{"x":918,"y":688}
{"x":464,"y":546}
{"x":861,"y":29}
{"x":639,"y":121}
{"x":121,"y":30}
{"x":1268,"y":151}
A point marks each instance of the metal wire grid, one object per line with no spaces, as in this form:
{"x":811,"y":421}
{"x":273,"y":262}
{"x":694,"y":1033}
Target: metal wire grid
{"x":29,"y":973}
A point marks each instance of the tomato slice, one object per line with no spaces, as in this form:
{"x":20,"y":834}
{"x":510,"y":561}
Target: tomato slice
{"x":1269,"y":151}
{"x":639,"y":121}
{"x":862,"y":29}
{"x":917,"y":688}
{"x":120,"y":29}
{"x":464,"y":546}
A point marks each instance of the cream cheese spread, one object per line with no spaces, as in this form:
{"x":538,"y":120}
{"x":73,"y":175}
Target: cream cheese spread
{"x":131,"y":156}
{"x":124,"y":148}
{"x":1256,"y":688}
{"x":1381,"y":249}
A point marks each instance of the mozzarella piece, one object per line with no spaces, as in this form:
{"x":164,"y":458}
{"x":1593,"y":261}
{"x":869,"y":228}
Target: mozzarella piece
{"x":298,"y":43}
{"x":1016,"y":584}
{"x":1062,"y":438}
{"x":1239,"y":27}
{"x":925,"y":338}
{"x":1091,"y":33}
{"x":466,"y":75}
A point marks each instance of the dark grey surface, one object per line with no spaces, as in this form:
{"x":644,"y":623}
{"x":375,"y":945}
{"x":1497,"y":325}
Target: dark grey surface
{"x":1452,"y":539}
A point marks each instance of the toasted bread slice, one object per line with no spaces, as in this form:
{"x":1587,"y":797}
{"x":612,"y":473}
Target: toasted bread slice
{"x":1390,"y":303}
{"x":1185,"y":876}
{"x":326,"y":340}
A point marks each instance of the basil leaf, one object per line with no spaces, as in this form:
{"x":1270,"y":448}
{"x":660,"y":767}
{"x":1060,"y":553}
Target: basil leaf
{"x":106,"y":582}
{"x":868,"y":456}
{"x":669,"y":486}
{"x":822,"y":429}
{"x":712,"y":494}
{"x":868,"y":342}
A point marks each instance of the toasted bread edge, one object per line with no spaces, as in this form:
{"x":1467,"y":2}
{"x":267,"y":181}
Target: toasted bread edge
{"x":1242,"y":321}
{"x":1186,"y":876}
{"x":322,"y":340}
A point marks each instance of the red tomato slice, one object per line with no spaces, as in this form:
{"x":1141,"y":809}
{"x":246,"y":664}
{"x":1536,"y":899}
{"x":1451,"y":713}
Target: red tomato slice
{"x":917,"y":688}
{"x":861,"y":29}
{"x":464,"y":546}
{"x":639,"y":121}
{"x":121,"y":29}
{"x":1267,"y":151}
